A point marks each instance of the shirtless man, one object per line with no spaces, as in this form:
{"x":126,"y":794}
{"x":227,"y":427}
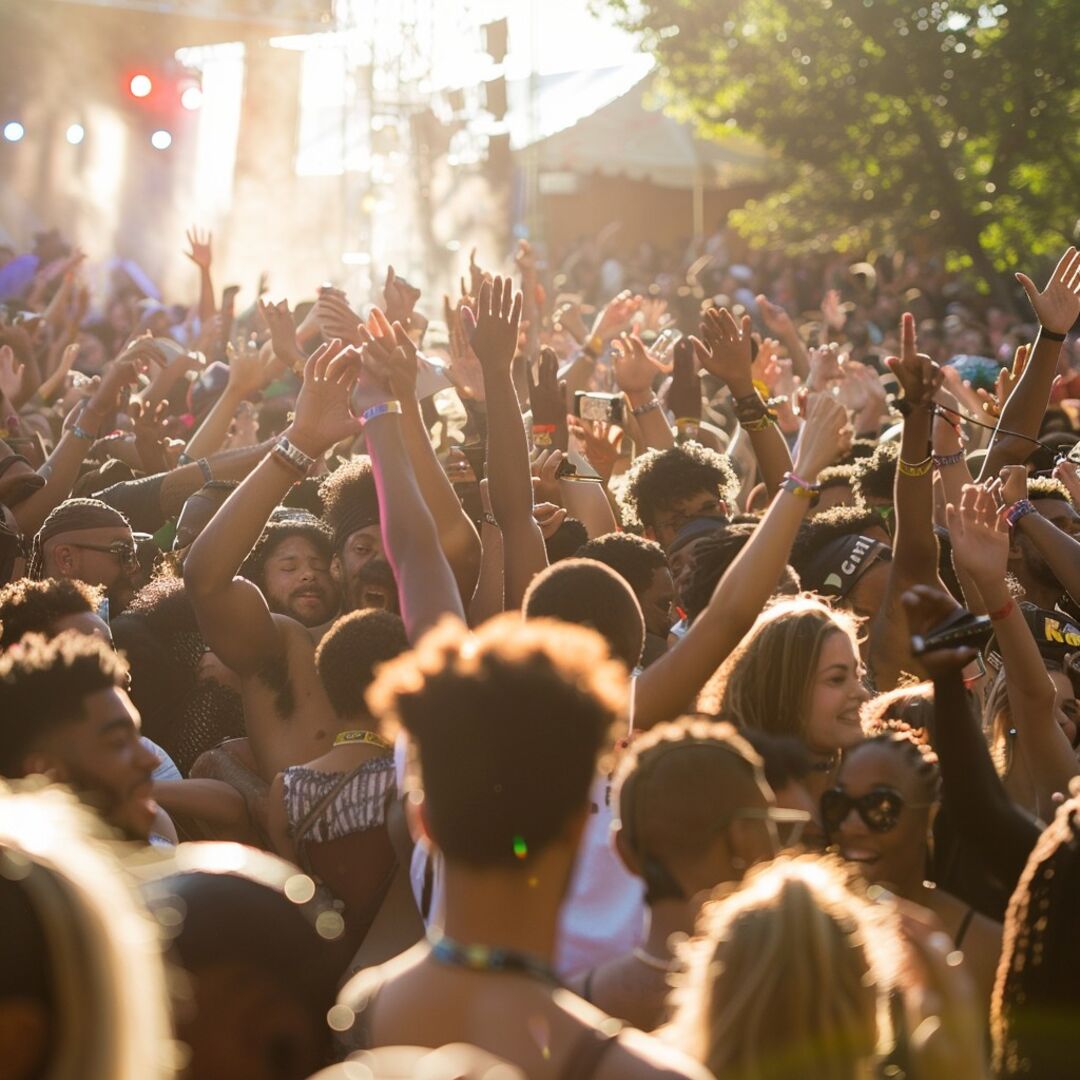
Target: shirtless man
{"x":288,"y":716}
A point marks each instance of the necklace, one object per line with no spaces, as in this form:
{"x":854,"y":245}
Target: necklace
{"x":362,"y":736}
{"x":489,"y":958}
{"x":655,"y":962}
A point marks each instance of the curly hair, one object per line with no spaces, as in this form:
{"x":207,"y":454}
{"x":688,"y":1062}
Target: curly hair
{"x":28,"y":606}
{"x":508,"y":721}
{"x":827,"y":526}
{"x":349,"y":499}
{"x":633,"y":558}
{"x":351,"y":652}
{"x":875,"y":476}
{"x":42,"y":686}
{"x":275,"y":534}
{"x":1046,"y":487}
{"x":660,"y":478}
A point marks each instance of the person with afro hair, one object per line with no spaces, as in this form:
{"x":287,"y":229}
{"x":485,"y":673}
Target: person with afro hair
{"x":667,"y":488}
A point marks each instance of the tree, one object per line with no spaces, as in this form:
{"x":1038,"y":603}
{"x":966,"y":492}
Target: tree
{"x":954,"y":119}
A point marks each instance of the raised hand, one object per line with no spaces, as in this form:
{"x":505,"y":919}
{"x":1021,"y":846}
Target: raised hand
{"x":615,"y":315}
{"x":684,"y":392}
{"x":149,"y":426}
{"x":1014,"y":483}
{"x":635,"y":367}
{"x":493,"y":330}
{"x":724,"y":349}
{"x":1006,"y":383}
{"x":390,"y":355}
{"x":199,"y":247}
{"x":545,"y":468}
{"x":1069,"y":474}
{"x":335,"y":318}
{"x":599,"y":443}
{"x":775,"y":318}
{"x":464,"y":369}
{"x":1058,"y":305}
{"x":825,"y":438}
{"x":279,"y":322}
{"x":324,"y":415}
{"x":824,"y":366}
{"x":400,"y":297}
{"x":547,"y":397}
{"x":247,"y":372}
{"x":568,"y":317}
{"x":549,"y":517}
{"x":654,"y":311}
{"x":918,"y":375}
{"x":925,"y":608}
{"x":831,"y":309}
{"x":979,"y":534}
{"x":11,"y":373}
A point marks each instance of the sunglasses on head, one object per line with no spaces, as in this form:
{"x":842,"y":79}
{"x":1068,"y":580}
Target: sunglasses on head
{"x":879,"y":809}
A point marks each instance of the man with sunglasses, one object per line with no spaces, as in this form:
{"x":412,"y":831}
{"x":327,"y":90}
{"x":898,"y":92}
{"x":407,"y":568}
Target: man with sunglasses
{"x":89,"y":541}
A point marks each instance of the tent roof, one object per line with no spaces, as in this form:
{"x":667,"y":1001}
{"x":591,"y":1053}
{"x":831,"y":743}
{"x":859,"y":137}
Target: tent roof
{"x":599,"y":122}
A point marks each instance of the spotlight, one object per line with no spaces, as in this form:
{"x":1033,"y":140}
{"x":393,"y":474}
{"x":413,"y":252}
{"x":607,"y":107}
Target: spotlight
{"x":140,"y":85}
{"x":191,"y":98}
{"x":161,"y":140}
{"x":75,"y":134}
{"x":14,"y":131}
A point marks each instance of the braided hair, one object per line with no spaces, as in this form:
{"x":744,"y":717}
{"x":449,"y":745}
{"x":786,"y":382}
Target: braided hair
{"x":74,"y":515}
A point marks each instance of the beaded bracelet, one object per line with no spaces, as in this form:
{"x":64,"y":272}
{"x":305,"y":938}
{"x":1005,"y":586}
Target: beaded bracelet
{"x":794,"y":486}
{"x":1019,"y":509}
{"x":943,"y":461}
{"x":920,"y":468}
{"x":82,"y":433}
{"x":648,"y":407}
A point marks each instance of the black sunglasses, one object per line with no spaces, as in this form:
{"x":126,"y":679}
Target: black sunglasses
{"x":879,"y":809}
{"x":126,"y":553}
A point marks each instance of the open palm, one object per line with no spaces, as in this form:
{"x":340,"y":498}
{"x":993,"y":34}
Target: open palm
{"x":978,"y":534}
{"x":1058,"y":305}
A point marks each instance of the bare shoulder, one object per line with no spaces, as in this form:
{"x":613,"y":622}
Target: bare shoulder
{"x":635,"y":1054}
{"x":641,"y":1055}
{"x":359,"y":988}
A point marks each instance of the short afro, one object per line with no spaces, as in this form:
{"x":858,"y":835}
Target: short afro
{"x":660,"y":478}
{"x":633,"y":558}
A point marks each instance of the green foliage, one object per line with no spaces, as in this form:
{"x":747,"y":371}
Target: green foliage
{"x":890,"y":119}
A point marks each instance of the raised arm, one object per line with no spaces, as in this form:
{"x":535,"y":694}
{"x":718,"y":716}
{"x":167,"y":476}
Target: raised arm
{"x":426,"y":586}
{"x":61,"y":470}
{"x":457,"y":534}
{"x":667,"y":687}
{"x":997,"y":830}
{"x":247,"y":375}
{"x":232,"y":613}
{"x":635,"y":372}
{"x":724,"y":349}
{"x":494,"y":339}
{"x":1060,"y":551}
{"x":1057,"y":308}
{"x":915,"y":546}
{"x":780,"y":323}
{"x":979,"y":535}
{"x":200,"y":255}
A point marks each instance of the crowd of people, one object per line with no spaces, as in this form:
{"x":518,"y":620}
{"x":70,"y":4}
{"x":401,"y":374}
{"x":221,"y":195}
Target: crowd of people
{"x":665,"y":663}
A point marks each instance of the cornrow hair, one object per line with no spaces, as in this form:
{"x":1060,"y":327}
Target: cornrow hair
{"x":73,"y":515}
{"x":914,"y":744}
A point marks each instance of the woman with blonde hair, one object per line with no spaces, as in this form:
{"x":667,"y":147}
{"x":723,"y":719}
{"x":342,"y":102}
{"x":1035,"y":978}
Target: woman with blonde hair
{"x":796,"y":673}
{"x":82,"y":986}
{"x":799,"y":974}
{"x":787,"y":978}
